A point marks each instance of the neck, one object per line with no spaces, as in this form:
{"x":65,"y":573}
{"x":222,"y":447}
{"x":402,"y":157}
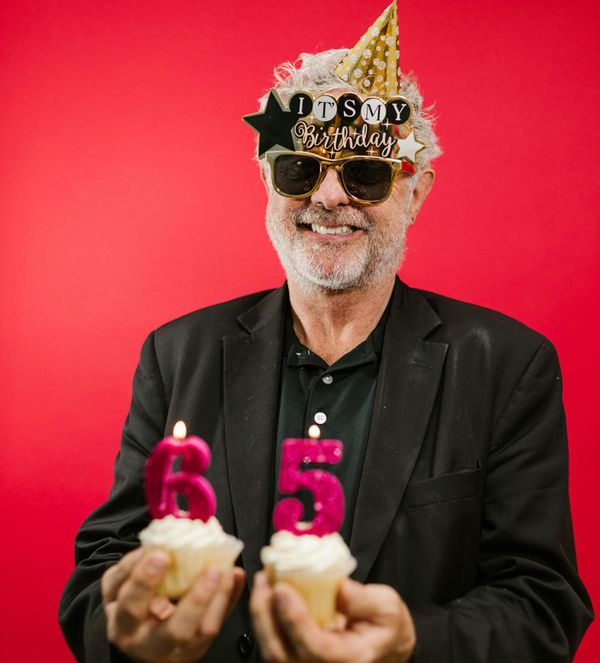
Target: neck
{"x":331,"y":323}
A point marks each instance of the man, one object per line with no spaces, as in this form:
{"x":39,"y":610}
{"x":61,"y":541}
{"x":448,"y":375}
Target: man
{"x":455,"y":465}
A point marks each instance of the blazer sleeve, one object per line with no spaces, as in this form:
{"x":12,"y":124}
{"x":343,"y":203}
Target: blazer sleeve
{"x":529,"y":604}
{"x":111,"y":531}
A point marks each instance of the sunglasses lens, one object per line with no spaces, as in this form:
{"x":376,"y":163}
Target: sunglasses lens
{"x":296,"y":175}
{"x":367,"y":179}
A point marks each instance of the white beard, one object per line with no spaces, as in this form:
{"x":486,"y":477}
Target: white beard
{"x":334,"y":266}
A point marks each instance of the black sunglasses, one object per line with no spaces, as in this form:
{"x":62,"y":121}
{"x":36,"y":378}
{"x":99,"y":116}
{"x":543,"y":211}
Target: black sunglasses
{"x":366,"y":180}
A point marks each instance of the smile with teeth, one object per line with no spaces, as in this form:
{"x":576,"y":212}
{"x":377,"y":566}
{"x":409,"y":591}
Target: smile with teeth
{"x":329,"y":230}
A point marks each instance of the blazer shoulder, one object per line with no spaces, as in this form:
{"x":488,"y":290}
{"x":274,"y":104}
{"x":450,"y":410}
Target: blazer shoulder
{"x":197,"y":336}
{"x":469,"y":325}
{"x":216,"y":319}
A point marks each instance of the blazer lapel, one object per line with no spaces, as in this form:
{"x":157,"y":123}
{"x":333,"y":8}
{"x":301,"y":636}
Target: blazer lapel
{"x":408,"y":380}
{"x":252,"y":364}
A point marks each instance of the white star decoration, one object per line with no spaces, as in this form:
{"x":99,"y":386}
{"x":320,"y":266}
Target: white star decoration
{"x":409,"y":146}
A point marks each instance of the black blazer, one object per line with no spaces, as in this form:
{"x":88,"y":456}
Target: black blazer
{"x":463,"y":501}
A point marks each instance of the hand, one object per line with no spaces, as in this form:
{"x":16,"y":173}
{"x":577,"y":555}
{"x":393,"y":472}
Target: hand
{"x":375,"y":625}
{"x":150,"y":628}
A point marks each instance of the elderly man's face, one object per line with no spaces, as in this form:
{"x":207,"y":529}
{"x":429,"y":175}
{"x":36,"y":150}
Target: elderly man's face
{"x":328,"y":241}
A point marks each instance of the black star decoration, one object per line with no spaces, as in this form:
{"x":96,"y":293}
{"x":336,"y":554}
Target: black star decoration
{"x":274,"y":125}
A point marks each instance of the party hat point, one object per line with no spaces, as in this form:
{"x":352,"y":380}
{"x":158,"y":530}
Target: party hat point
{"x":372,"y":66}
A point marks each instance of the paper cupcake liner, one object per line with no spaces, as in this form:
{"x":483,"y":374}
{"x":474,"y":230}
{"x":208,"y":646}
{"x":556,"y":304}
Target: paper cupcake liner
{"x":188,"y":563}
{"x":319,"y":590}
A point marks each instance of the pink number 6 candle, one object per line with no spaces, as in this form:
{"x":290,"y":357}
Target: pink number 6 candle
{"x":163,"y":484}
{"x":326,"y":489}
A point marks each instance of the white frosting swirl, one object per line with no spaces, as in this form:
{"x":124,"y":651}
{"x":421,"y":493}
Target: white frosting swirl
{"x":174,"y":533}
{"x":308,"y":554}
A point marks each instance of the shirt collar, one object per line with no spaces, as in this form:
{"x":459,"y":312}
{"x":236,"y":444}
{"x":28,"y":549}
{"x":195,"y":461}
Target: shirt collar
{"x":367,"y":351}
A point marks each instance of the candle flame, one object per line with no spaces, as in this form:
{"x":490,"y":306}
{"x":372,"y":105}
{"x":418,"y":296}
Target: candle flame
{"x":180,"y":430}
{"x":314,"y":432}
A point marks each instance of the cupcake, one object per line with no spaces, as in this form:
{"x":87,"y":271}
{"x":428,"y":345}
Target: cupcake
{"x":313,"y":565}
{"x":194,"y":539}
{"x":193,"y":545}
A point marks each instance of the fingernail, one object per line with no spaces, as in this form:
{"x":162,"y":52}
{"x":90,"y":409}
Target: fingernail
{"x":281,"y":600}
{"x":157,"y":563}
{"x":161,"y":607}
{"x":260,"y":581}
{"x":135,"y":556}
{"x":213,"y":576}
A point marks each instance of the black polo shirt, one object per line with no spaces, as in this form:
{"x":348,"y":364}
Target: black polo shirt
{"x":339,"y":398}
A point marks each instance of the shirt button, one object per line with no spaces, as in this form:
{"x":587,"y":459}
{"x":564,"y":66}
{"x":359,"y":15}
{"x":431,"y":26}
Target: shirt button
{"x":245,"y":645}
{"x":320,"y":417}
{"x":327,"y":379}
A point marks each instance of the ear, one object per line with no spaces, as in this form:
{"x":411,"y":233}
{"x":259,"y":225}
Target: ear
{"x":421,"y":191}
{"x":263,"y":169}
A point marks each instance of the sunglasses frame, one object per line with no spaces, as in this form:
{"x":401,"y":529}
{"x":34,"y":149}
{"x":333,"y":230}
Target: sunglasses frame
{"x":397,"y":165}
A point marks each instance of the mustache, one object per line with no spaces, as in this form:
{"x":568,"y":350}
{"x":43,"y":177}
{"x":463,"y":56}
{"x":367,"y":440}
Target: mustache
{"x":340,"y":216}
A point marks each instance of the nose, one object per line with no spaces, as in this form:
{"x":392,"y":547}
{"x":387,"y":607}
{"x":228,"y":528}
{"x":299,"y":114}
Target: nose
{"x":330,"y":193}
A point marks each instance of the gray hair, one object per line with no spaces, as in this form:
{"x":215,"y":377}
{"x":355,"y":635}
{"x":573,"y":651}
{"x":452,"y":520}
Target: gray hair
{"x":314,"y":73}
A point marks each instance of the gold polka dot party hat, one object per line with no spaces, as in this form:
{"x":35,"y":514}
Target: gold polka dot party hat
{"x":372,"y":65}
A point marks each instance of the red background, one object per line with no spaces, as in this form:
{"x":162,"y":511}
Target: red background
{"x":128,"y":197}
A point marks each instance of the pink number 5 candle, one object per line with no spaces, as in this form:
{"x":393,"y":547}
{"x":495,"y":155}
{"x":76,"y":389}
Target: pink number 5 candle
{"x":327,"y":491}
{"x":163,"y":484}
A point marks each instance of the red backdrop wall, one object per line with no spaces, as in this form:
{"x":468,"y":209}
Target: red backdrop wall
{"x":128,"y":197}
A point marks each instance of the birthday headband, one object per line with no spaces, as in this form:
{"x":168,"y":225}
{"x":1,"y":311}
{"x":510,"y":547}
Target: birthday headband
{"x":373,"y":121}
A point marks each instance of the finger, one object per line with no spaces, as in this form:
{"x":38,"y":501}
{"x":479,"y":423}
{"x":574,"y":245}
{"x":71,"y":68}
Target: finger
{"x":186,"y":620}
{"x":239,"y":582}
{"x":339,"y":622}
{"x":271,"y":644}
{"x":300,"y":630}
{"x":380,"y":617}
{"x":137,"y":592}
{"x":161,"y":608}
{"x":216,"y":611}
{"x":116,"y":575}
{"x":307,"y":641}
{"x":372,"y":603}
